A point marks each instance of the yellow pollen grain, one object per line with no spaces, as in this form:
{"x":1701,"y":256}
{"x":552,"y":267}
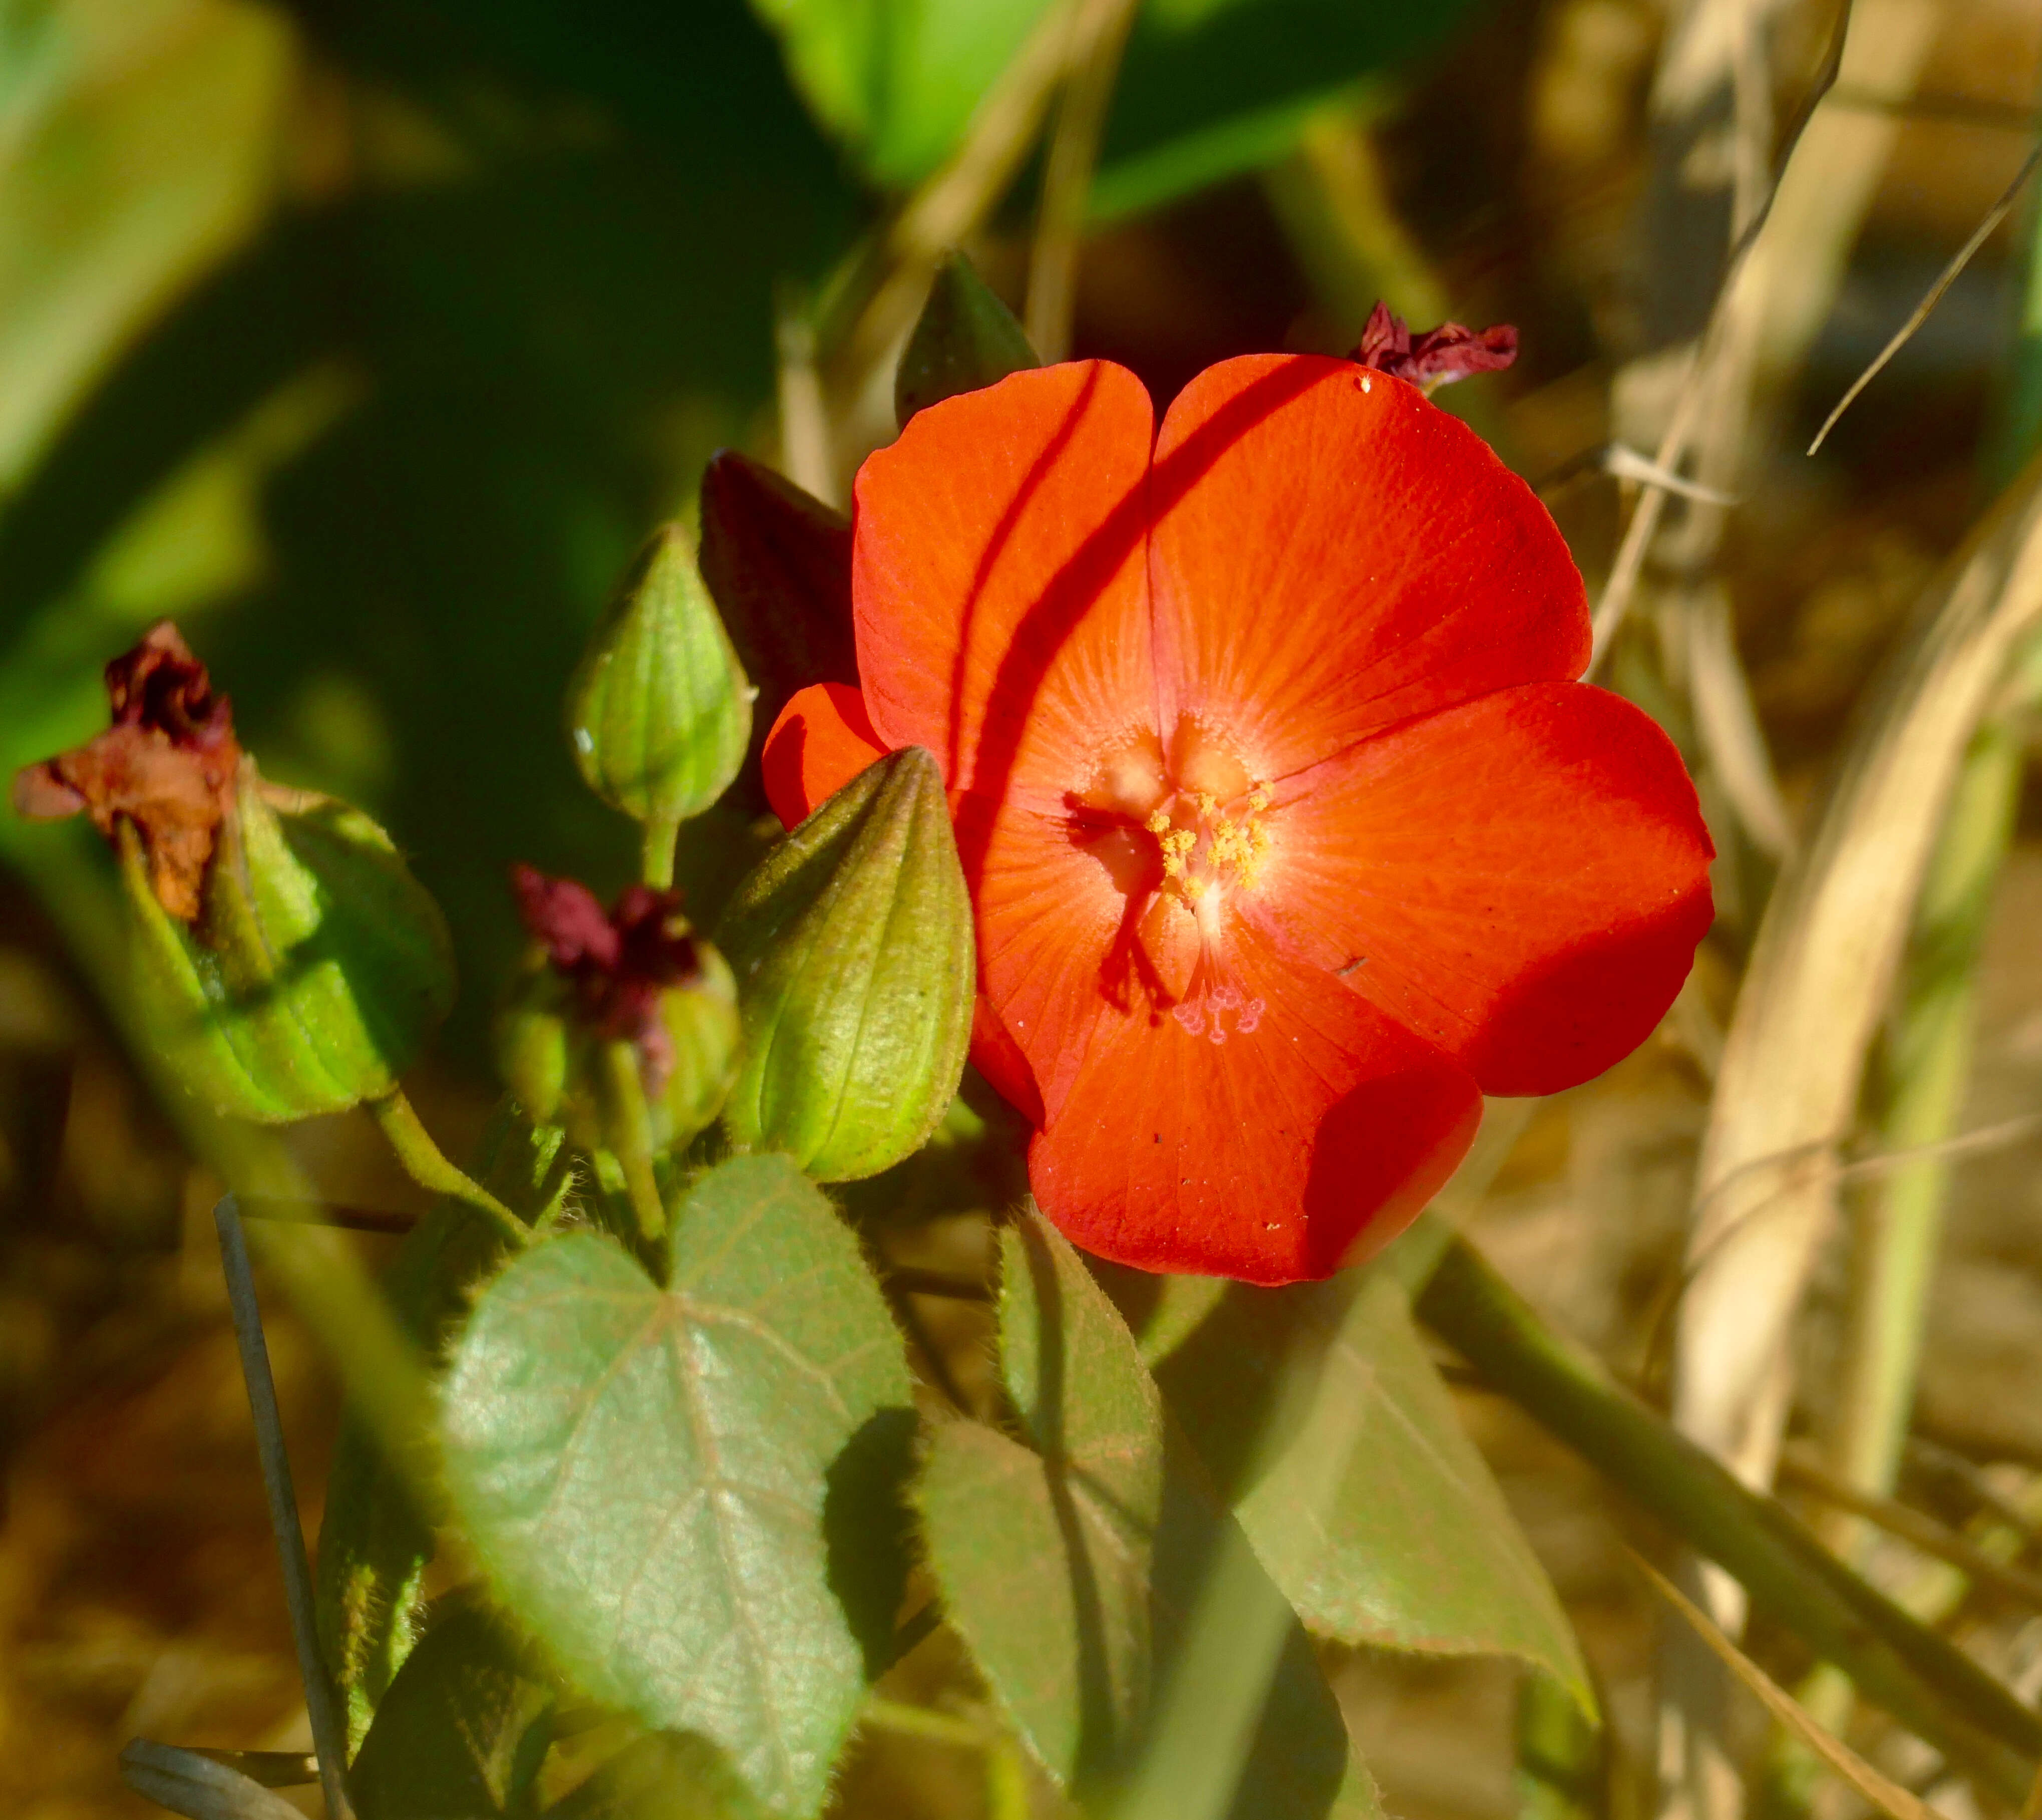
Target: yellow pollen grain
{"x":1208,"y":802}
{"x":1158,"y":823}
{"x":1259,"y":799}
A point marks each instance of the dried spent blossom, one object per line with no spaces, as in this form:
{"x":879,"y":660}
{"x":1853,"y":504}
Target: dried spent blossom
{"x":1437,"y":357}
{"x":619,"y":960}
{"x":167,"y":764}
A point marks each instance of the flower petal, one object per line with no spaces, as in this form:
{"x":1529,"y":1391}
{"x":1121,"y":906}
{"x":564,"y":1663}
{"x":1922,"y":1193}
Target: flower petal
{"x":1333,"y":554}
{"x":1522,"y":880}
{"x":1055,"y":951}
{"x":999,"y":583}
{"x":1313,"y":1134}
{"x":822,"y":739}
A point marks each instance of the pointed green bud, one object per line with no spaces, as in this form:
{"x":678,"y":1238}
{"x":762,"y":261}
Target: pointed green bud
{"x":852,"y":944}
{"x":659,"y":712}
{"x":315,"y":970}
{"x":966,"y":339}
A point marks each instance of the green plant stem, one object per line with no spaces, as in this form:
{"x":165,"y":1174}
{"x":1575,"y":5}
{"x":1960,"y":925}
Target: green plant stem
{"x":427,"y":1164}
{"x":1928,"y":1068}
{"x":329,"y":1735}
{"x":1918,"y":1676}
{"x":656,"y":864}
{"x":627,"y":1129}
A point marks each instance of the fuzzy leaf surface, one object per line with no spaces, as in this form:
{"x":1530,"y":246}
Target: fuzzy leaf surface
{"x":463,"y":1731}
{"x":1071,"y":1557}
{"x":664,"y":1775}
{"x":1411,"y":1547}
{"x":645,"y":1471}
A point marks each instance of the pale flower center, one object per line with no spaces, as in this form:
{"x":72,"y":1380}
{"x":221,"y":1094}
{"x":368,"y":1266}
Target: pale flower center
{"x":1188,"y":824}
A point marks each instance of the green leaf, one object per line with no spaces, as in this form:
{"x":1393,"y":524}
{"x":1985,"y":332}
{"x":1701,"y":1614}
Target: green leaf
{"x":463,"y":1732}
{"x":137,"y":147}
{"x":897,"y":81}
{"x":644,"y":1472}
{"x":851,"y":941}
{"x":1376,"y":1515}
{"x":1208,"y":89}
{"x":1070,"y":1558}
{"x":965,"y":338}
{"x":659,"y":713}
{"x":667,"y":1776}
{"x":376,"y":1539}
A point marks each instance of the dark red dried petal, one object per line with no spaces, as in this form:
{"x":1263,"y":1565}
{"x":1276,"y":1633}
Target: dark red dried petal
{"x":620,"y":960}
{"x":168,"y":764}
{"x":1437,"y":357}
{"x":568,"y":917}
{"x":777,"y":561}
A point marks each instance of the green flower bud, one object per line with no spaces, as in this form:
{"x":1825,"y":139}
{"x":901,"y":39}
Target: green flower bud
{"x":704,"y":1033}
{"x":532,"y":1041}
{"x":634,"y":982}
{"x":317,"y":967}
{"x":659,"y":712}
{"x":966,"y":339}
{"x":852,"y":944}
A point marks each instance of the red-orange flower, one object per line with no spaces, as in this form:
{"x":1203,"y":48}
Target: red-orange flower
{"x":1289,"y":831}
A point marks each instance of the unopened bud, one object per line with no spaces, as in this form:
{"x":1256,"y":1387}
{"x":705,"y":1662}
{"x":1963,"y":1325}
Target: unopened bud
{"x":965,"y":340}
{"x":286,"y":960}
{"x":852,"y":944}
{"x":659,"y":712}
{"x":316,"y":969}
{"x":636,"y":975}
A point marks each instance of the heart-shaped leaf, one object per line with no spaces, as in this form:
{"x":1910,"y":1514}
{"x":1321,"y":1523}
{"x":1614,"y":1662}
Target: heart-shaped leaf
{"x":1071,"y":1559}
{"x":1377,"y":1516}
{"x":664,"y":1775}
{"x":644,"y":1471}
{"x":462,"y":1732}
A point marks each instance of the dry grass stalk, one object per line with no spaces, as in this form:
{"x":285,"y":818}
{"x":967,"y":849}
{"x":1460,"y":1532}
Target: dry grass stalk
{"x":1884,"y":1794}
{"x":1817,"y":983}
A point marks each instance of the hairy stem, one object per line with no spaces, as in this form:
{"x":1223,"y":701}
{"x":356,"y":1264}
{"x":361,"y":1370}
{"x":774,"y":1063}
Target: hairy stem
{"x":627,"y":1129}
{"x":427,"y":1164}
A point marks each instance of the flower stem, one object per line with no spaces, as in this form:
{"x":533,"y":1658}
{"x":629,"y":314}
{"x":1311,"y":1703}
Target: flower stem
{"x":627,"y":1129}
{"x":1916,"y":1674}
{"x":427,"y":1165}
{"x":328,"y":1736}
{"x":655,"y":866}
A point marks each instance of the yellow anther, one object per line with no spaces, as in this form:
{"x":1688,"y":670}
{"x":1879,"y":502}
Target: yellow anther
{"x":1158,"y":822}
{"x":1194,"y":889}
{"x":1259,"y":798}
{"x":1173,"y":866}
{"x":1208,"y":802}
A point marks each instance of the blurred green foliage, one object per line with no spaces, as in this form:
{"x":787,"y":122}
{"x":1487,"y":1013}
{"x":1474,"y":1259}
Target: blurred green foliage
{"x":369,"y":339}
